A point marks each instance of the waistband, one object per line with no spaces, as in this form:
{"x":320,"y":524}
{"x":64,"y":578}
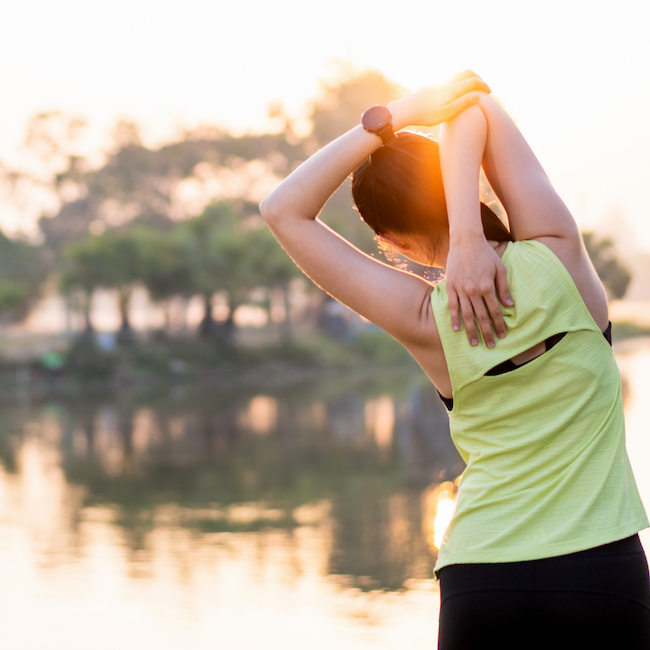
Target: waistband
{"x":618,"y":569}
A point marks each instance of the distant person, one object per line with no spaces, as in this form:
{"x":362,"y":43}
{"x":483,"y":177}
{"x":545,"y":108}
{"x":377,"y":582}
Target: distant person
{"x":542,"y":550}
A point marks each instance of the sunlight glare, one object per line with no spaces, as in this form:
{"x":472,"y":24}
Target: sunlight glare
{"x":439,"y":504}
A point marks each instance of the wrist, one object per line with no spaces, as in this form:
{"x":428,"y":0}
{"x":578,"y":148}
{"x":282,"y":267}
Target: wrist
{"x":465,"y":235}
{"x":399,"y":114}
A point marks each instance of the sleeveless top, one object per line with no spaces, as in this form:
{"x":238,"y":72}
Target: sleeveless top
{"x":547,"y":470}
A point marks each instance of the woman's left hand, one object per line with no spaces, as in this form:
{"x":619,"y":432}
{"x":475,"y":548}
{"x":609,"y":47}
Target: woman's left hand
{"x":476,"y":281}
{"x":435,"y":104}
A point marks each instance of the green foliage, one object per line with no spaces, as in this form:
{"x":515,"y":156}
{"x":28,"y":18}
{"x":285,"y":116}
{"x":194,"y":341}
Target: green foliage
{"x":233,"y":253}
{"x":139,"y":184}
{"x":380,"y":347}
{"x":612,"y":272}
{"x":269,"y":264}
{"x":21,"y":275}
{"x":165,"y":265}
{"x":217,"y":251}
{"x":110,"y":260}
{"x":12,"y":294}
{"x":225,"y":250}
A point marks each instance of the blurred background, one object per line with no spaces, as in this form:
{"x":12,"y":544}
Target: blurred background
{"x":198,"y":447}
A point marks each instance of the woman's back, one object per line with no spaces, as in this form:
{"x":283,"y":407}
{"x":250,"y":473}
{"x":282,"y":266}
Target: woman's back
{"x":547,"y":468}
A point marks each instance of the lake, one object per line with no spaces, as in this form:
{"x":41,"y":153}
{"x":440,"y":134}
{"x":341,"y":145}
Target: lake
{"x":306,"y":517}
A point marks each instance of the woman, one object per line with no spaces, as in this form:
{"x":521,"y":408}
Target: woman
{"x":542,"y":550}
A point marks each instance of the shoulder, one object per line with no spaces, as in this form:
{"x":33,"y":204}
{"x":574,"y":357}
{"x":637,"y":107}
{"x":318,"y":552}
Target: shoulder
{"x":573,"y":257}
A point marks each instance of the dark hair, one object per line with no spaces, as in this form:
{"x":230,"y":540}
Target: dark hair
{"x":399,"y":189}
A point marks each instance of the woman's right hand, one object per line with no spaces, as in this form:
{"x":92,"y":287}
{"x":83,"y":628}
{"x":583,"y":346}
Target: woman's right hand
{"x":432,"y":105}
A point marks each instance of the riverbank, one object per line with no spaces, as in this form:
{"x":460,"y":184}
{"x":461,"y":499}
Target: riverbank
{"x":88,"y":364}
{"x":59,"y":364}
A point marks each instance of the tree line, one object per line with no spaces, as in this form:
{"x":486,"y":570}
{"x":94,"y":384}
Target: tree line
{"x":181,"y":219}
{"x":226,"y":250}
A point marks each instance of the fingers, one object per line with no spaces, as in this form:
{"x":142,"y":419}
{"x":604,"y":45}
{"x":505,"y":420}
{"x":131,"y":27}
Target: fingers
{"x":502,"y":286}
{"x":475,"y":311}
{"x":494,"y":310}
{"x":485,"y":324}
{"x":478,"y":308}
{"x":498,"y":290}
{"x":457,"y":106}
{"x":464,"y":75}
{"x":454,"y":307}
{"x":467,"y":311}
{"x":465,"y":93}
{"x":470,"y":84}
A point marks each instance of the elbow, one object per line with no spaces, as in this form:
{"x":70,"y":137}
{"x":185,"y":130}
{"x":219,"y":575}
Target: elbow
{"x":277,"y":209}
{"x":269,"y":208}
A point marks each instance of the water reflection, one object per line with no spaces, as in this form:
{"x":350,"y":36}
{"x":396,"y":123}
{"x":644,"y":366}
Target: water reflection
{"x":633,"y":358}
{"x":353,"y":459}
{"x":167,"y":507}
{"x":234,"y":517}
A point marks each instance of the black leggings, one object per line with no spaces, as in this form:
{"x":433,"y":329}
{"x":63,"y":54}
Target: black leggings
{"x":599,"y":598}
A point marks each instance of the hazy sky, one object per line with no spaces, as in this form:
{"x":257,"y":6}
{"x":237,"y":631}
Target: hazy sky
{"x":574,"y":74}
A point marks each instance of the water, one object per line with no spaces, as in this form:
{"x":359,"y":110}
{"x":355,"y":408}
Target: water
{"x":302,"y":518}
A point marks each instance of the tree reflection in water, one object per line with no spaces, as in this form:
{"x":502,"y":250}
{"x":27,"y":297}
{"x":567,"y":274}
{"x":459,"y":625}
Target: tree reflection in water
{"x":245,"y":518}
{"x":358,"y":459}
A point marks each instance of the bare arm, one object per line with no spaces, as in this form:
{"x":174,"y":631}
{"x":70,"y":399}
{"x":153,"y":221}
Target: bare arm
{"x":474,"y":272}
{"x":393,"y":299}
{"x":535,"y":211}
{"x":533,"y":206}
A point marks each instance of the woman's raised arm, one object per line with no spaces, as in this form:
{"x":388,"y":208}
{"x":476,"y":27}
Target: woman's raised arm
{"x":535,"y":211}
{"x":534,"y":208}
{"x":390,"y":298}
{"x":474,"y":272}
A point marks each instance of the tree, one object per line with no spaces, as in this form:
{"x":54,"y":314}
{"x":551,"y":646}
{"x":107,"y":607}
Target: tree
{"x":142,"y":184}
{"x":272,"y":268}
{"x":337,"y":110}
{"x":120,"y":252}
{"x":82,"y":270}
{"x":233,"y":253}
{"x":139,"y":184}
{"x":112,"y":261}
{"x":612,"y":272}
{"x":165,"y":266}
{"x":21,"y":275}
{"x":217,"y":249}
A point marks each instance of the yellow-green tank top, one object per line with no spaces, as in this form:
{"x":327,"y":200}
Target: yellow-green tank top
{"x":547,"y":470}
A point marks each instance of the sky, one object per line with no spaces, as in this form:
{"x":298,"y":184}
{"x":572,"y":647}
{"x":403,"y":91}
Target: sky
{"x":574,"y":74}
